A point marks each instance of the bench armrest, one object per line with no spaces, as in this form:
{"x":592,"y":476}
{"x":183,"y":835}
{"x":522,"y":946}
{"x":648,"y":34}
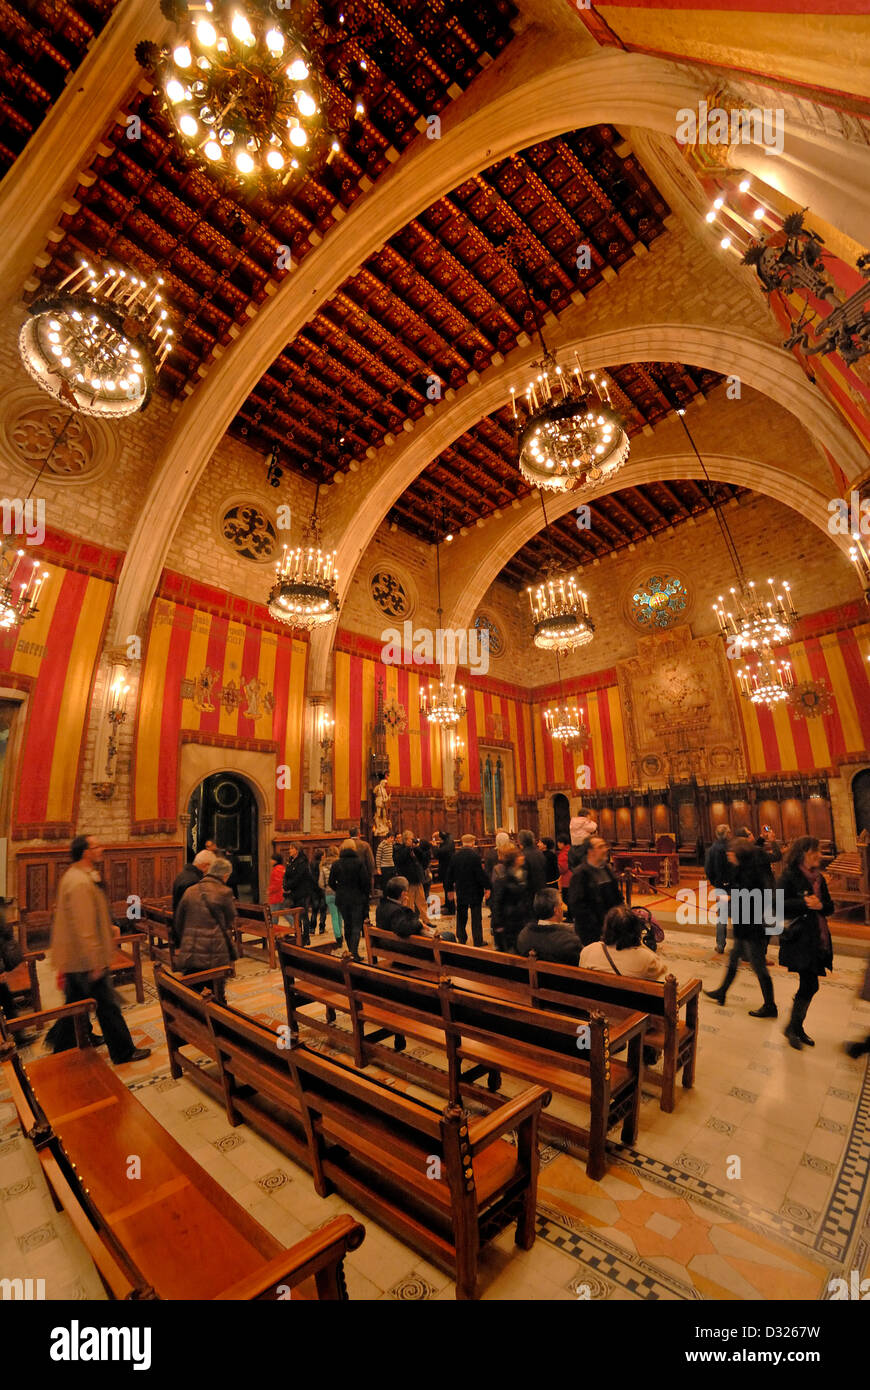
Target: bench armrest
{"x":327,"y":1246}
{"x":482,"y":1133}
{"x":218,"y":972}
{"x":32,"y":955}
{"x":688,"y":991}
{"x":31,"y":1020}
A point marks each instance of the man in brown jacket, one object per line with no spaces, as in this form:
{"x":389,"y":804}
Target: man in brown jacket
{"x":82,"y":944}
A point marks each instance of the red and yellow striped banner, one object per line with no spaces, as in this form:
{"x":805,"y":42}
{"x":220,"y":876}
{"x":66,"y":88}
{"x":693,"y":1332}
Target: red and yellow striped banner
{"x":416,"y":752}
{"x":59,"y":650}
{"x":777,"y":740}
{"x":606,"y":756}
{"x":208,"y":674}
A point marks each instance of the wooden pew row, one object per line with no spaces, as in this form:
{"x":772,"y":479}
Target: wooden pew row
{"x":23,"y":982}
{"x":441,"y":1180}
{"x":481,"y":1036}
{"x":672,"y":1008}
{"x":181,"y":1236}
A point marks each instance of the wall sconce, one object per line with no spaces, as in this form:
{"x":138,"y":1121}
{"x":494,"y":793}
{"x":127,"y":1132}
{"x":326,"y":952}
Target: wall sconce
{"x":116,"y":715}
{"x":325,"y":731}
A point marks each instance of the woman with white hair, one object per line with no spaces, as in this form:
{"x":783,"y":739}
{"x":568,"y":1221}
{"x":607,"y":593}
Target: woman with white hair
{"x":205,"y":920}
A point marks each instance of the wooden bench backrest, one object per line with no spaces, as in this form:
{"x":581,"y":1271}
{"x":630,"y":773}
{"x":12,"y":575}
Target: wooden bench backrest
{"x":252,"y":1053}
{"x":387,"y":949}
{"x":474,"y":963}
{"x":477,"y":1016}
{"x":566,"y":986}
{"x":412,"y":995}
{"x":254,"y":912}
{"x":184,"y":1010}
{"x":300,"y":963}
{"x":327,"y":1087}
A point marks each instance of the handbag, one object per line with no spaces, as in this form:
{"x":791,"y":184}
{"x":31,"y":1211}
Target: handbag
{"x":654,"y":933}
{"x":231,"y":945}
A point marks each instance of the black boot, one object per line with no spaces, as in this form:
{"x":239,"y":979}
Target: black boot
{"x":794,"y":1027}
{"x":766,"y":1011}
{"x":857,"y":1049}
{"x":717,"y":994}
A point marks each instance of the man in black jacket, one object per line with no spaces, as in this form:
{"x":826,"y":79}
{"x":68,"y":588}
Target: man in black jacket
{"x":466,"y":876}
{"x":592,"y":892}
{"x":546,"y":936}
{"x":395,"y":913}
{"x":190,"y":874}
{"x":536,"y":864}
{"x":752,"y":889}
{"x":299,"y":888}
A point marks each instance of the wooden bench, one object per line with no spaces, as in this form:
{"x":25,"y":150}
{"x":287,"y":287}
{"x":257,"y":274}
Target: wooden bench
{"x":172,"y":1232}
{"x":22,"y":1023}
{"x":186,"y":1024}
{"x":848,"y":878}
{"x":23,"y":981}
{"x":569,"y":986}
{"x":260,"y":921}
{"x":127,"y":965}
{"x":491,"y":1034}
{"x":441,"y":1180}
{"x":157,"y":925}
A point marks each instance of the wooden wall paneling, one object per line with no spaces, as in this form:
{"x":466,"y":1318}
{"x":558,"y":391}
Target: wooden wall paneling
{"x":642,"y":823}
{"x":819,"y":821}
{"x":607,"y":823}
{"x":794,"y":821}
{"x":624,"y":832}
{"x":661,"y":820}
{"x":769,"y":813}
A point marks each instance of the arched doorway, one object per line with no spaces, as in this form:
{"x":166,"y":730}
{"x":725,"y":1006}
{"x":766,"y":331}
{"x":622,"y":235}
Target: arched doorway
{"x":561,"y":814}
{"x":861,"y":799}
{"x":223,"y":808}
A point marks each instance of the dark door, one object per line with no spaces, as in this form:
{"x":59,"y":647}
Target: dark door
{"x":861,"y":798}
{"x":561,"y":814}
{"x":223,"y":808}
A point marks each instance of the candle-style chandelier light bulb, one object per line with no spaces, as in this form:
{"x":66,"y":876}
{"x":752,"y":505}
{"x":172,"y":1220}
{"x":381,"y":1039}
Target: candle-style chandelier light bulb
{"x":19,"y":589}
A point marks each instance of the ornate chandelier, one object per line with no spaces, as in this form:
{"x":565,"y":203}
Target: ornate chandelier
{"x":567,"y":724}
{"x":560,"y":615}
{"x":19,"y":598}
{"x":444,"y":705}
{"x":97,"y":341}
{"x":243,"y":90}
{"x":305,"y":593}
{"x":768,"y":682}
{"x":570,"y":438}
{"x":758,"y":622}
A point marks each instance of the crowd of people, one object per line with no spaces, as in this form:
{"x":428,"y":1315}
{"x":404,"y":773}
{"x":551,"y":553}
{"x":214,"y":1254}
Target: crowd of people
{"x":560,"y":899}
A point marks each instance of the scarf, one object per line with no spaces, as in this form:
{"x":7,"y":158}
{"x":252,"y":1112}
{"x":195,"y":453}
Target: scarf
{"x":815,"y":880}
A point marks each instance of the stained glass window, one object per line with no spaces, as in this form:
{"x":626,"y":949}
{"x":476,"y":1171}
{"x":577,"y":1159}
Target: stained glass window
{"x":659,"y":601}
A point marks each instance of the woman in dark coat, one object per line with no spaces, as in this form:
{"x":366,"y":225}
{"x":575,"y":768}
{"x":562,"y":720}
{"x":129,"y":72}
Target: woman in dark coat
{"x":300,"y":889}
{"x":351,"y":883}
{"x":805,"y":946}
{"x":592,"y":891}
{"x":510,"y":905}
{"x":205,"y":921}
{"x":750,"y":873}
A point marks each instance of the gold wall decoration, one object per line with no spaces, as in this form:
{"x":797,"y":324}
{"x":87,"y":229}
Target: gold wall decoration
{"x":681,"y":714}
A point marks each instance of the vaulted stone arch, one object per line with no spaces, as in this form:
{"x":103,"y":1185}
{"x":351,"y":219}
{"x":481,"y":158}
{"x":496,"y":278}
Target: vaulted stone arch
{"x":544,"y":83}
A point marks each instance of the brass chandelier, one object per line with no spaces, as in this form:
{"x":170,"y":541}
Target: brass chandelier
{"x":19,"y":592}
{"x":305,"y":592}
{"x":570,"y":438}
{"x":567,"y":724}
{"x":768,"y":682}
{"x":98,"y":339}
{"x":443,"y":704}
{"x":242,"y":87}
{"x":560,"y":611}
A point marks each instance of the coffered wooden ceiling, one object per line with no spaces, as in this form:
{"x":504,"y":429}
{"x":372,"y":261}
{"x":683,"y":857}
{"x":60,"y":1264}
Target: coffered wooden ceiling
{"x":617,"y":521}
{"x":142,"y":204}
{"x":41,"y":43}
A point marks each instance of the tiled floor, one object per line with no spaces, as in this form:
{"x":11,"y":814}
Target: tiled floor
{"x":755,"y":1187}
